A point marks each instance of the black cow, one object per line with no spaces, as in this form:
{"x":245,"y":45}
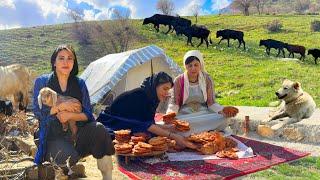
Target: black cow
{"x":270,"y":43}
{"x":198,"y":31}
{"x":166,"y":20}
{"x":6,"y":107}
{"x":181,"y":22}
{"x":231,"y":34}
{"x":158,"y":19}
{"x":315,"y":53}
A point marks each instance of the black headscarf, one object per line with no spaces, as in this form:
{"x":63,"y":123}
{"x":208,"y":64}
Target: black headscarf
{"x":73,"y":87}
{"x":150,"y":84}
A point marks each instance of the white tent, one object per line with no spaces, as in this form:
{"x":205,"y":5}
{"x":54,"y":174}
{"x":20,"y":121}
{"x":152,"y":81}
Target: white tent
{"x":120,"y":72}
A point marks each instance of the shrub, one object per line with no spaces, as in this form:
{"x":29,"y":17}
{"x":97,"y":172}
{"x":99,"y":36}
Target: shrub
{"x":274,"y":26}
{"x":315,"y":26}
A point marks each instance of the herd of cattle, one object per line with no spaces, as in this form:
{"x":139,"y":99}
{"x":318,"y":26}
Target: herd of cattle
{"x":183,"y":26}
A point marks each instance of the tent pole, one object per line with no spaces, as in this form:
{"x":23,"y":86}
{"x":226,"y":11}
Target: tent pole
{"x":151,"y":68}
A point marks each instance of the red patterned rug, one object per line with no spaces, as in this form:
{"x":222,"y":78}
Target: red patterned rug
{"x":267,"y":155}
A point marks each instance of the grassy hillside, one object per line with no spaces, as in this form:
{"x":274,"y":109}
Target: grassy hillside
{"x":250,"y":77}
{"x":241,"y":77}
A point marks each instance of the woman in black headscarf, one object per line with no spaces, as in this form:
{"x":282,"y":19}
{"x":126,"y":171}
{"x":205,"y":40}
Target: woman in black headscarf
{"x":135,"y":109}
{"x":57,"y":144}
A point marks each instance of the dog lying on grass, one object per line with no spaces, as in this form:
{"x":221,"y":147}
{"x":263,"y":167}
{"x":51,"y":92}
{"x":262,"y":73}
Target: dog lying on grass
{"x":50,"y":98}
{"x":296,"y":105}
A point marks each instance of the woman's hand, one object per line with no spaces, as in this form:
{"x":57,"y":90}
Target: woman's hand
{"x":64,"y":116}
{"x":182,"y":141}
{"x":229,"y":111}
{"x":70,"y":106}
{"x":54,"y":110}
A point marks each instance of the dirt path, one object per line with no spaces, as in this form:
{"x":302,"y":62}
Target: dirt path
{"x":93,"y":172}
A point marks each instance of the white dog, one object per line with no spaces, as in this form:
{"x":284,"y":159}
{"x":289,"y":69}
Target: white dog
{"x":296,"y":104}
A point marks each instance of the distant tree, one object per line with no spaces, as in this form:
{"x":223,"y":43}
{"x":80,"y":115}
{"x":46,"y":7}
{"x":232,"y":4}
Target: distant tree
{"x":259,"y":4}
{"x":195,"y":10}
{"x":80,"y":29}
{"x":118,"y":34}
{"x":302,"y":5}
{"x":75,"y":15}
{"x":315,"y":7}
{"x":165,"y":6}
{"x":242,"y":5}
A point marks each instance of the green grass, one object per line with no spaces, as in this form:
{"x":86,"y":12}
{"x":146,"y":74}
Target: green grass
{"x":241,"y":77}
{"x":307,"y":168}
{"x":251,"y":74}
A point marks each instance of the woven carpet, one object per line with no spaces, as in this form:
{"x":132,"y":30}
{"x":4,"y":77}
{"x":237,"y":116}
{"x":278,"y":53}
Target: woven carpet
{"x":267,"y":155}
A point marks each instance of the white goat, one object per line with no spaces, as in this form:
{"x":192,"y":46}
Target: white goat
{"x":15,"y":80}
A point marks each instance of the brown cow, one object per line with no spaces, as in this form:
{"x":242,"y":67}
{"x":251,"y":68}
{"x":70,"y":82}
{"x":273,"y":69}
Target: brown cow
{"x":296,"y":49}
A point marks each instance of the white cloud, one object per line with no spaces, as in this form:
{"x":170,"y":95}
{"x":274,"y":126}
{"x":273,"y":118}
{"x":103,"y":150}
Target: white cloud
{"x":186,"y":9}
{"x":16,"y":13}
{"x":33,"y":13}
{"x":103,"y":15}
{"x":140,"y":8}
{"x":7,"y":26}
{"x":101,"y":4}
{"x":219,"y":4}
{"x":7,"y":3}
{"x":105,"y":5}
{"x":88,"y":15}
{"x":56,"y":7}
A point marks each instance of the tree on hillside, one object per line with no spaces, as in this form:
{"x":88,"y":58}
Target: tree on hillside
{"x":75,"y":15}
{"x":302,"y":5}
{"x":242,"y":5}
{"x":315,"y":6}
{"x":259,"y":4}
{"x":80,"y":29}
{"x":195,"y":9}
{"x":165,"y":6}
{"x":118,"y":34}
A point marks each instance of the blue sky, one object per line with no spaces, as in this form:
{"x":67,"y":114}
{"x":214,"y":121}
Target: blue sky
{"x":27,"y":13}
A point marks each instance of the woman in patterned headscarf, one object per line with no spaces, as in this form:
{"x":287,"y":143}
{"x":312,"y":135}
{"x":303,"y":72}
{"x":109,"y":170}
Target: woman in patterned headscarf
{"x":194,"y":97}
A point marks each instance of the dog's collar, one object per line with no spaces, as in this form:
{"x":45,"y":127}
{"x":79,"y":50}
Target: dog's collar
{"x":294,"y":99}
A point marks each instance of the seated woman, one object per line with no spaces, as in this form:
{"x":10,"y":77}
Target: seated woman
{"x":193,"y":97}
{"x":136,"y":109}
{"x":55,"y":143}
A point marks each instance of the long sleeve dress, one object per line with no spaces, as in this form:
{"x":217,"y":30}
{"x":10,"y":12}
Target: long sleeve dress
{"x":52,"y":137}
{"x":133,"y":110}
{"x":200,"y":113}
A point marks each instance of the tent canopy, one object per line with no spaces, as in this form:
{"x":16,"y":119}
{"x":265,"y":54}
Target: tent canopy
{"x":121,"y":72}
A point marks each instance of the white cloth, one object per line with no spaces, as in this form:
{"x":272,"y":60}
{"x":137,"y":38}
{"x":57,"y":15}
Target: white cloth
{"x":203,"y":121}
{"x":244,"y":152}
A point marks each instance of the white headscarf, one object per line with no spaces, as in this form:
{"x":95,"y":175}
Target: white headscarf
{"x":201,"y":77}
